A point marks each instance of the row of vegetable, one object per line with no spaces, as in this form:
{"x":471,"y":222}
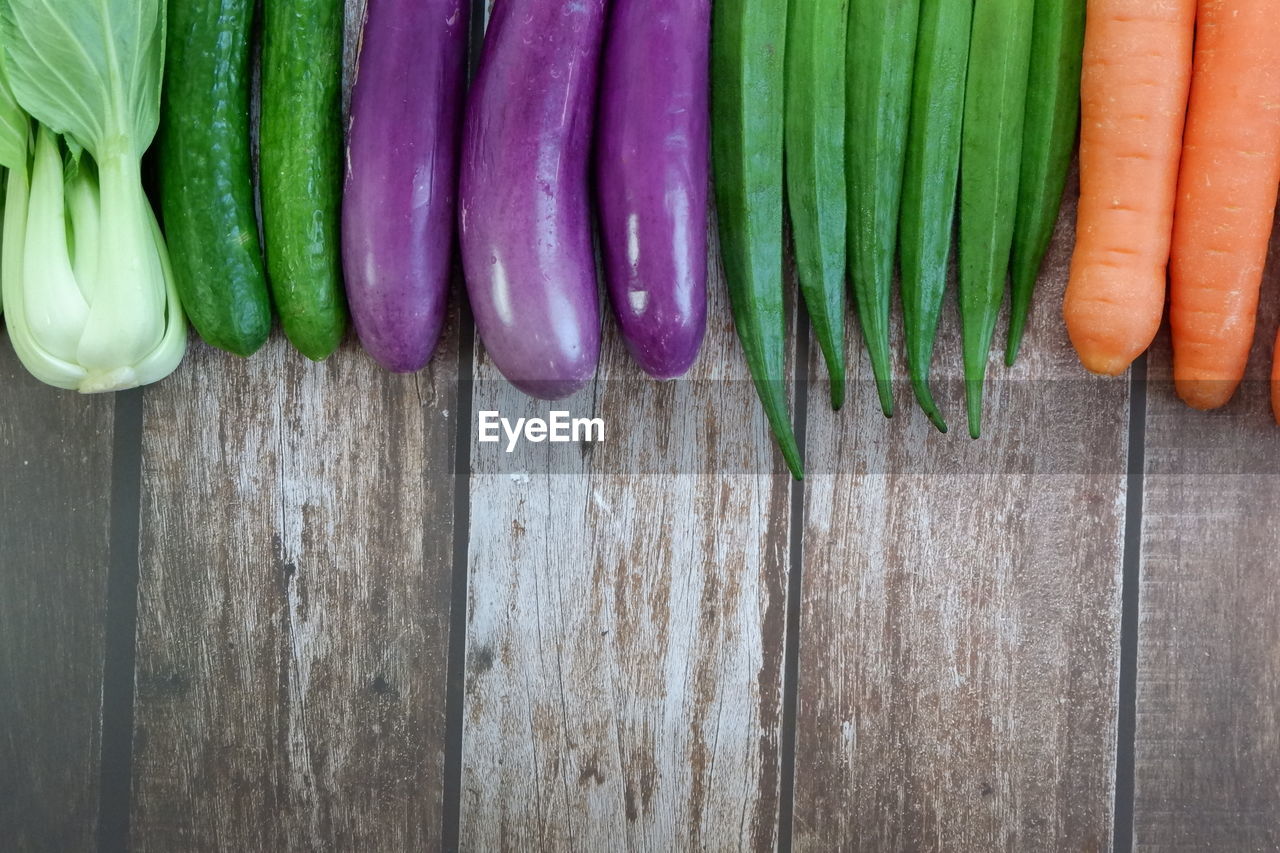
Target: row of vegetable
{"x":888,"y":129}
{"x":365,"y":220}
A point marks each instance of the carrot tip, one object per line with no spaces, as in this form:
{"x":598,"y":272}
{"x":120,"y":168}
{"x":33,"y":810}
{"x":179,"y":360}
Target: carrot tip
{"x":1205,"y":395}
{"x":1104,"y":366}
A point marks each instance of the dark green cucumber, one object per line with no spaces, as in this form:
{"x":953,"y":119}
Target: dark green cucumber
{"x":301,"y":167}
{"x":990,"y":166}
{"x":816,"y":190}
{"x":930,"y":186}
{"x":206,"y":174}
{"x":1048,"y":139}
{"x":881,"y":59}
{"x":747,"y":58}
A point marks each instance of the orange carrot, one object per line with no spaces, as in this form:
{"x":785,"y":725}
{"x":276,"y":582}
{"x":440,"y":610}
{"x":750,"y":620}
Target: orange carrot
{"x":1226,"y":197}
{"x":1133,"y":90}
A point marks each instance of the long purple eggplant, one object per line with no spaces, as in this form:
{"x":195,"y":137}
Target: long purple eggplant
{"x":399,"y":205}
{"x":651,"y":178}
{"x":525,"y":220}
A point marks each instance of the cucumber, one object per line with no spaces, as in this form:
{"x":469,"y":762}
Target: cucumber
{"x":302,"y":170}
{"x":990,"y":165}
{"x":816,"y":193}
{"x":1048,"y":140}
{"x":206,"y":174}
{"x":881,"y":59}
{"x":930,"y":186}
{"x":747,"y":71}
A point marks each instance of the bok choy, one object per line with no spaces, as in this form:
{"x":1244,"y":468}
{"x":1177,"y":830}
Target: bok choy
{"x":89,"y":296}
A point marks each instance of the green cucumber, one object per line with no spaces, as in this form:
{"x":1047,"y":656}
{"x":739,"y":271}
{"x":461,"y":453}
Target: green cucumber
{"x":930,"y":186}
{"x":881,"y":59}
{"x":206,"y":174}
{"x":990,"y":166}
{"x":816,"y":191}
{"x":301,"y":161}
{"x":747,"y":61}
{"x":1048,"y":140}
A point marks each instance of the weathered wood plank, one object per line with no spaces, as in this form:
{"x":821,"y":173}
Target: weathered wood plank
{"x":960,"y":610}
{"x":1207,"y":762}
{"x":626,"y":614}
{"x":296,"y":563}
{"x":293,"y":618}
{"x":55,"y":502}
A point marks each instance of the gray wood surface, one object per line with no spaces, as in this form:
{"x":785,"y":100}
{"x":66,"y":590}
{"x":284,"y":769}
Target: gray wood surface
{"x":626,"y":610}
{"x":294,"y":601}
{"x":55,"y":503}
{"x":960,"y":614}
{"x":1208,"y":730}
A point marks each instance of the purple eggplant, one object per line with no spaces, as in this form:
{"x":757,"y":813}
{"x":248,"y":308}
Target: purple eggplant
{"x":398,"y":210}
{"x":651,"y":178}
{"x":525,"y":218}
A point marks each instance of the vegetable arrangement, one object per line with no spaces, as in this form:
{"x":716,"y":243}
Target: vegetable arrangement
{"x":881,"y":128}
{"x":864,"y":110}
{"x":93,"y":299}
{"x":385,"y":241}
{"x":1180,"y":174}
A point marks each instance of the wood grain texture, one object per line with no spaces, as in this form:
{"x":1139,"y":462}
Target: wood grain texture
{"x":960,"y":612}
{"x":626,"y":613}
{"x":1207,"y":768}
{"x":55,"y":496}
{"x":294,"y":600}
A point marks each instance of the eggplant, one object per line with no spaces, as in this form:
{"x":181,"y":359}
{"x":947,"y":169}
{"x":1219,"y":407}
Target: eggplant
{"x":399,"y":205}
{"x":651,"y":178}
{"x":524,"y":212}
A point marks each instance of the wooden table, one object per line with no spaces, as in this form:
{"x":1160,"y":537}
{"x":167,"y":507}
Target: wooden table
{"x":272,"y":605}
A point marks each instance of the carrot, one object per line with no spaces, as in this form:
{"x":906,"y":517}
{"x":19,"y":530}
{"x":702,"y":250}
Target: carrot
{"x":1133,"y":90}
{"x":1226,"y":197}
